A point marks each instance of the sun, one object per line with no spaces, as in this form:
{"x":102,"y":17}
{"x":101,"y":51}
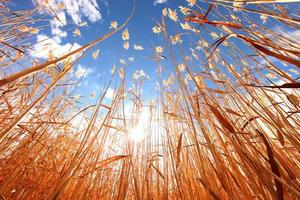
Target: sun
{"x":140,"y":128}
{"x":137,"y":133}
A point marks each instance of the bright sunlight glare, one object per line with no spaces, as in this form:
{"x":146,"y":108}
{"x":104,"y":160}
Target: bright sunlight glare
{"x":137,"y":134}
{"x":138,"y":131}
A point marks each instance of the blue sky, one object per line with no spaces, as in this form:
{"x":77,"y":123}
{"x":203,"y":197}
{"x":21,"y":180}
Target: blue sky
{"x":99,"y":14}
{"x":111,"y":50}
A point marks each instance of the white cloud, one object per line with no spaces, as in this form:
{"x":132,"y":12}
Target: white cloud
{"x":45,"y":45}
{"x":76,"y":9}
{"x":110,"y":93}
{"x":138,"y":47}
{"x":82,"y":71}
{"x":56,"y":24}
{"x":79,"y":122}
{"x":159,"y":2}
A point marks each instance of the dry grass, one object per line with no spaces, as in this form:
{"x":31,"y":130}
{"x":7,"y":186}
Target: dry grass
{"x":219,"y":129}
